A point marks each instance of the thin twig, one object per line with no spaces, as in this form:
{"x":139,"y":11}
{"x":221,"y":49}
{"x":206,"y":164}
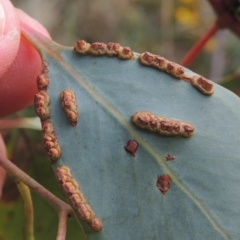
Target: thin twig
{"x":60,"y":206}
{"x":62,"y":225}
{"x":197,"y":48}
{"x":230,"y":77}
{"x":3,"y":174}
{"x":28,"y":229}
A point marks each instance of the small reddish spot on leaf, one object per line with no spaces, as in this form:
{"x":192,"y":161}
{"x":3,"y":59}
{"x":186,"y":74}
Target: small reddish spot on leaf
{"x":163,"y":183}
{"x":170,"y":157}
{"x":131,"y":147}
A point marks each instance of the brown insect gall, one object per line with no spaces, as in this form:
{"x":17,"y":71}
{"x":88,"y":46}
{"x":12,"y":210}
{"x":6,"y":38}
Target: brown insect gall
{"x":170,"y":67}
{"x":55,"y":152}
{"x":131,"y":147}
{"x":96,"y":224}
{"x":62,"y":178}
{"x":175,"y":70}
{"x":203,"y":85}
{"x":69,"y":104}
{"x":82,"y":47}
{"x":41,"y":105}
{"x":50,"y":141}
{"x":112,"y":49}
{"x":147,"y":58}
{"x":69,"y":186}
{"x":152,"y":60}
{"x":163,"y":183}
{"x":162,"y":125}
{"x":77,"y":198}
{"x":179,"y":72}
{"x":98,"y":48}
{"x":48,"y":144}
{"x":49,"y":137}
{"x":41,"y":99}
{"x":42,"y":82}
{"x":47,"y":128}
{"x":162,"y":64}
{"x":42,"y":113}
{"x":188,"y":129}
{"x":84,"y":212}
{"x":63,"y":174}
{"x":125,"y":53}
{"x":170,"y":157}
{"x":45,"y":69}
{"x":166,"y":125}
{"x":71,"y":190}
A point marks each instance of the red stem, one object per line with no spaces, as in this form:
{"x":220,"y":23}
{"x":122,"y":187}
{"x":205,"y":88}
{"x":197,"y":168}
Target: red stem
{"x":197,"y":48}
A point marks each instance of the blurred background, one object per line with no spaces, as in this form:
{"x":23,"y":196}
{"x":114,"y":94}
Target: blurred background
{"x":167,"y":28}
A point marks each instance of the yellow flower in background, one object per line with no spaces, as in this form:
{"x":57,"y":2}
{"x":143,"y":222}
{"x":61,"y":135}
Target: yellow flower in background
{"x":187,"y":1}
{"x":186,"y":16}
{"x":210,"y":45}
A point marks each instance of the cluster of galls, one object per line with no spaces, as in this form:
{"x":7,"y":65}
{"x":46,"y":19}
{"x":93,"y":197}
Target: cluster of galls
{"x":202,"y":84}
{"x":162,"y":125}
{"x":50,"y":141}
{"x":41,"y":104}
{"x":41,"y":99}
{"x":69,"y":104}
{"x":42,"y":79}
{"x":76,"y":198}
{"x":100,"y":49}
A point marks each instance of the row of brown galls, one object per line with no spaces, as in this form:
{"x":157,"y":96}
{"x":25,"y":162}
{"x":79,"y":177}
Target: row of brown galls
{"x":145,"y":120}
{"x":68,"y":185}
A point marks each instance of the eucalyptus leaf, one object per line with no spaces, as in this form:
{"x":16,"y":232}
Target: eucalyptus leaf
{"x":203,"y":199}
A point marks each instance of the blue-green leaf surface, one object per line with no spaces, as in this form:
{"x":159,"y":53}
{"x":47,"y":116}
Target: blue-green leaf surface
{"x":203,"y":200}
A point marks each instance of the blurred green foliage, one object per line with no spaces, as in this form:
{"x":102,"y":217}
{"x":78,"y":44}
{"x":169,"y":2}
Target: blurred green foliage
{"x":25,"y":149}
{"x":168,"y":28}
